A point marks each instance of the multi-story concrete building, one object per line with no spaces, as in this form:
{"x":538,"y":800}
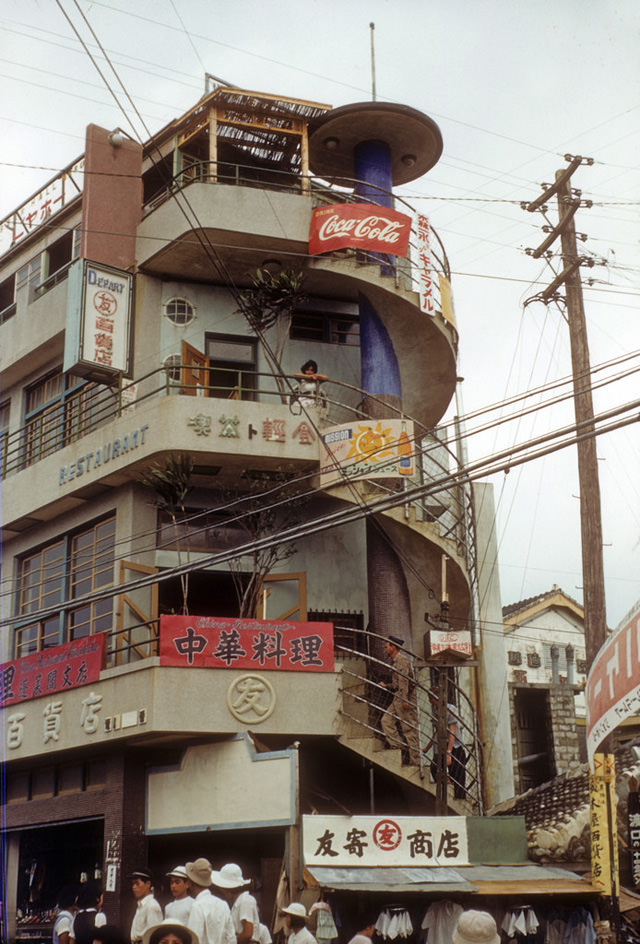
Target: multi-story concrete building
{"x":133,"y":335}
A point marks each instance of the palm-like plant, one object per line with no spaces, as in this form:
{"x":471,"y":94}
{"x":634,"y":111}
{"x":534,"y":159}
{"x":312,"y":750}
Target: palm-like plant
{"x":269,"y":303}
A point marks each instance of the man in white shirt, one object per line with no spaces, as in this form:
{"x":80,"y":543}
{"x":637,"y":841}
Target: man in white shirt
{"x":295,"y":916}
{"x":180,"y":908}
{"x":148,"y":911}
{"x":244,"y":908}
{"x":210,"y":917}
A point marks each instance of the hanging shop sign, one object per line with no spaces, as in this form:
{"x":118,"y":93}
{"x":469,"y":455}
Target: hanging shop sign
{"x":359,"y":226}
{"x":363,"y":841}
{"x":449,"y":640}
{"x":52,"y":670}
{"x":367,"y":449}
{"x":219,"y":643}
{"x":613,"y":685}
{"x":98,"y":328}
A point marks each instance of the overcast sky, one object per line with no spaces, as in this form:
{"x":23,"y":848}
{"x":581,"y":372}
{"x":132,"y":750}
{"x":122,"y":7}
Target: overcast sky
{"x":514,"y":87}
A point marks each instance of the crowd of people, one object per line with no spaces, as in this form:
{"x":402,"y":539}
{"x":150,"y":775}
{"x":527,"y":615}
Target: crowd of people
{"x":207,"y":907}
{"x":210,"y":907}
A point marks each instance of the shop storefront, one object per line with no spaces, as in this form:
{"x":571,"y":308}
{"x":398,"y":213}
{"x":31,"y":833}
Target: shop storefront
{"x":413,"y":877}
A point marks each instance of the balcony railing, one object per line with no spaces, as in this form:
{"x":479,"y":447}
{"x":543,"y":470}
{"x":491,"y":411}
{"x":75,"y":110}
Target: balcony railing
{"x":93,"y":406}
{"x":321,"y":193}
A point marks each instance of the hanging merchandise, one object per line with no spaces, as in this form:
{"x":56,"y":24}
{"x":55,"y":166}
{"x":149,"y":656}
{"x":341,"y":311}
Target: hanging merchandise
{"x":520,"y":920}
{"x":440,"y":920}
{"x":393,"y":922}
{"x":326,"y":929}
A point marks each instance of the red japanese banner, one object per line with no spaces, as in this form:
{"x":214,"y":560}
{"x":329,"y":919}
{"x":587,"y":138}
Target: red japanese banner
{"x":359,"y":226}
{"x":52,"y":670}
{"x":221,"y":643}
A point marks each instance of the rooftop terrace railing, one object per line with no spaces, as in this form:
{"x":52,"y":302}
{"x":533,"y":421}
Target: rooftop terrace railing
{"x":321,"y":192}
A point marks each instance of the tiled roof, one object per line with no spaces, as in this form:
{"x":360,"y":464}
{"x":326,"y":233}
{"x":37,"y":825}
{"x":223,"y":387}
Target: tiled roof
{"x":556,"y":813}
{"x":512,"y":608}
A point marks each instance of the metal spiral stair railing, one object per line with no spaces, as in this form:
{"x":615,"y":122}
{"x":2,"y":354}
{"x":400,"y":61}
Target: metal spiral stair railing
{"x":365,"y":699}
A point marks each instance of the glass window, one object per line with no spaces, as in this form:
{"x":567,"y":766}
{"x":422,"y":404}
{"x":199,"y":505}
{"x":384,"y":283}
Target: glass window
{"x":60,"y":409}
{"x":179,"y":311}
{"x":173,"y":366}
{"x":233,"y":366}
{"x":326,"y":327}
{"x":7,"y":298}
{"x":70,"y":568}
{"x":5,"y":410}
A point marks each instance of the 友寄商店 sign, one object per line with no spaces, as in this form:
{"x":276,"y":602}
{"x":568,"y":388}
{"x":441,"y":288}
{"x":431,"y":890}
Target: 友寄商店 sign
{"x":359,"y":226}
{"x":339,"y":841}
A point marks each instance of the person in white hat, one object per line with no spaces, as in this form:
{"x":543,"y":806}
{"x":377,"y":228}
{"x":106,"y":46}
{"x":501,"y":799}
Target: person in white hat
{"x":180,"y":908}
{"x":476,"y":927}
{"x":295,"y":916}
{"x":244,"y":908}
{"x":169,"y":932}
{"x":210,"y":916}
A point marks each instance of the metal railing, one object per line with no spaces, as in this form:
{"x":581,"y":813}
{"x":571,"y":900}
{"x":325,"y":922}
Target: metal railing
{"x":92,"y":406}
{"x":366,"y":698}
{"x":321,"y":192}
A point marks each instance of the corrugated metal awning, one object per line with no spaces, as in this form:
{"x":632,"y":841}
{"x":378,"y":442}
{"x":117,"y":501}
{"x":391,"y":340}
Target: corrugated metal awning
{"x":398,"y":879}
{"x":475,"y":879}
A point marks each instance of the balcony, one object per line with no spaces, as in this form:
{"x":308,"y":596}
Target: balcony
{"x":101,"y":437}
{"x":218,"y":226}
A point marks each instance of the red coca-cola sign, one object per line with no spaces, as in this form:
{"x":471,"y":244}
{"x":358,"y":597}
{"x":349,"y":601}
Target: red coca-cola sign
{"x":359,"y":226}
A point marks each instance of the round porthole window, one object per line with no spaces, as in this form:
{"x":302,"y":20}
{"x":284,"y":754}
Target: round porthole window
{"x":173,"y":364}
{"x":179,"y":311}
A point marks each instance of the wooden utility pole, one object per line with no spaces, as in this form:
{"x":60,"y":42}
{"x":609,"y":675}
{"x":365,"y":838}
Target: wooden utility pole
{"x":595,"y":620}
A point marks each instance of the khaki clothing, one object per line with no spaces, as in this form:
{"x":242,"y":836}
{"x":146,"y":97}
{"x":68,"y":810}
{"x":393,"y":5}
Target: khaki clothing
{"x":403,"y":688}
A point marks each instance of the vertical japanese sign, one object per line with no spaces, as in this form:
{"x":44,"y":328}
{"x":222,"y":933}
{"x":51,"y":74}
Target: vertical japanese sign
{"x":604,"y":845}
{"x":367,"y":841}
{"x":425,"y":271}
{"x":634,"y":830}
{"x":52,"y":670}
{"x":216,"y":642}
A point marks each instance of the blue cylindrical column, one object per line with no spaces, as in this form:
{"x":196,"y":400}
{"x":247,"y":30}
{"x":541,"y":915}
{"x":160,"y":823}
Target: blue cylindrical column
{"x":372,"y":170}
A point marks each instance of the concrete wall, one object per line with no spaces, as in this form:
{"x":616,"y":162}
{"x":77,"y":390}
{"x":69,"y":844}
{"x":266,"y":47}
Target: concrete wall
{"x":493,"y":696}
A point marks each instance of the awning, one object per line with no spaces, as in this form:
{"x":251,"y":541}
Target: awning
{"x":396,"y":879}
{"x":474,"y":879}
{"x":527,"y":880}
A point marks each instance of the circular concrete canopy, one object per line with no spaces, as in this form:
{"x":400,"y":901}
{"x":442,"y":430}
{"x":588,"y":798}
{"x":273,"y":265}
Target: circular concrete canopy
{"x":414,"y":140}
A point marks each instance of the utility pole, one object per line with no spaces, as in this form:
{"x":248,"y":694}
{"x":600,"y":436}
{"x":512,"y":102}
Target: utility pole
{"x":595,"y":620}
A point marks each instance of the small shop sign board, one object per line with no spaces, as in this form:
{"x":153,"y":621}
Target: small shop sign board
{"x":366,"y":841}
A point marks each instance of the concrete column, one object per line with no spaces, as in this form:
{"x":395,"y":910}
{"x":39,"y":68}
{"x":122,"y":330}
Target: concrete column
{"x":493,"y":695}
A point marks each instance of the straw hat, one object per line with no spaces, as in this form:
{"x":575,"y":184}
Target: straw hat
{"x":296,"y":908}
